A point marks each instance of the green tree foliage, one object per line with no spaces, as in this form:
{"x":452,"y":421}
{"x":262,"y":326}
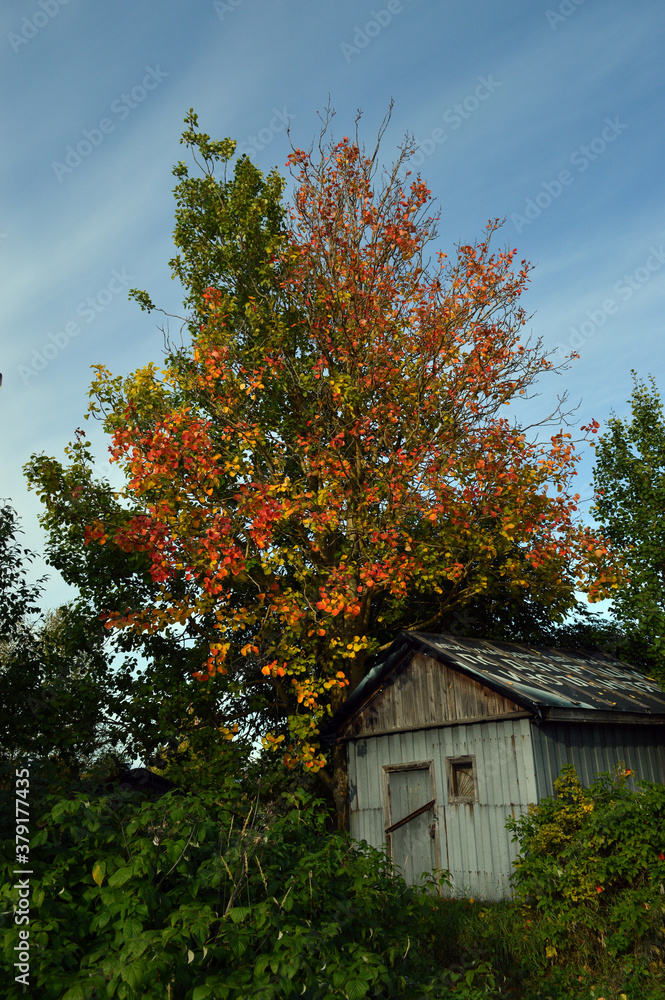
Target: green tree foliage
{"x":18,"y":598}
{"x":629,"y":477}
{"x":592,"y":864}
{"x":532,"y":622}
{"x":163,"y":712}
{"x":58,"y":698}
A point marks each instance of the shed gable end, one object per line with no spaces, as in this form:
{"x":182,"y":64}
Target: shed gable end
{"x":424,"y":692}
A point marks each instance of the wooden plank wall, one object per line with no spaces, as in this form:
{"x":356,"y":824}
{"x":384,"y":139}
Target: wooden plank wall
{"x":426,"y":692}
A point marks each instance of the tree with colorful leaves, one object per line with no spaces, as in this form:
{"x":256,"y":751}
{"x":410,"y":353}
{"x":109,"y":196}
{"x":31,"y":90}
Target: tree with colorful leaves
{"x":329,"y":456}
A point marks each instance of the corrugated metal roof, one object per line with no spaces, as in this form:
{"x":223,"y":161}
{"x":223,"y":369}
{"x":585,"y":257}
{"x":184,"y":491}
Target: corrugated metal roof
{"x":552,"y":677}
{"x":538,"y":678}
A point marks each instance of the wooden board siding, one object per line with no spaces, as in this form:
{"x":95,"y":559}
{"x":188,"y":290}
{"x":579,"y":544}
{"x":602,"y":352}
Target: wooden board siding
{"x":425,"y":693}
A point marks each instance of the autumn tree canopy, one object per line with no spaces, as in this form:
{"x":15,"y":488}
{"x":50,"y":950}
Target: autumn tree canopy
{"x":331,"y":455}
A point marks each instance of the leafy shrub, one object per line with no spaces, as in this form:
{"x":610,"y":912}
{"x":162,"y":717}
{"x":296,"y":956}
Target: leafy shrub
{"x":592,"y":864}
{"x":214,"y":894}
{"x":495,"y":950}
{"x":210,"y":896}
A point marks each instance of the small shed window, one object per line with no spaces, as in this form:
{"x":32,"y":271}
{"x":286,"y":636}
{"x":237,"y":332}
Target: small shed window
{"x":462,"y":785}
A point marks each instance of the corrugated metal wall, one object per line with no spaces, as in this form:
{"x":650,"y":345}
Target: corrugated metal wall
{"x":594,"y":749}
{"x":472,"y":839}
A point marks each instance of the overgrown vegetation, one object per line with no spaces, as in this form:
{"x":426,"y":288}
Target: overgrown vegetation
{"x":592,"y":861}
{"x":214,"y":895}
{"x":226,"y":894}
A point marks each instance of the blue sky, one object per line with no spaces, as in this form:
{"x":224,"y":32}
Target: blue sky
{"x":548,"y":113}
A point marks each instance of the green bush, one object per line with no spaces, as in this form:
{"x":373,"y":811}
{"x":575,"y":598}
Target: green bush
{"x":592,"y":865}
{"x":197,"y":896}
{"x":216,"y":895}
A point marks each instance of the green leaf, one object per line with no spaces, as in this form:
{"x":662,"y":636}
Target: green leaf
{"x":99,"y":922}
{"x":120,"y":876}
{"x":261,"y":965}
{"x":131,"y":929}
{"x":356,"y":989}
{"x":76,"y":992}
{"x":201,"y":992}
{"x":59,"y":809}
{"x":238,"y":913}
{"x":133,"y":974}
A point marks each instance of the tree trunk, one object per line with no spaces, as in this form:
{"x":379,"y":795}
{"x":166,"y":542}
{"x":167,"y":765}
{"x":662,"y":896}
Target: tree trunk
{"x":340,"y":784}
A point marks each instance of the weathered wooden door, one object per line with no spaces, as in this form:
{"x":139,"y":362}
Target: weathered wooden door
{"x":411,"y":819}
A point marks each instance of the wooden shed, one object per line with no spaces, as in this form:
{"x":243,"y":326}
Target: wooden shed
{"x":447,"y":737}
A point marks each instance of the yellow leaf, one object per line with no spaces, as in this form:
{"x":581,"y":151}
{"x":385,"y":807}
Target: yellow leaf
{"x":99,"y":871}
